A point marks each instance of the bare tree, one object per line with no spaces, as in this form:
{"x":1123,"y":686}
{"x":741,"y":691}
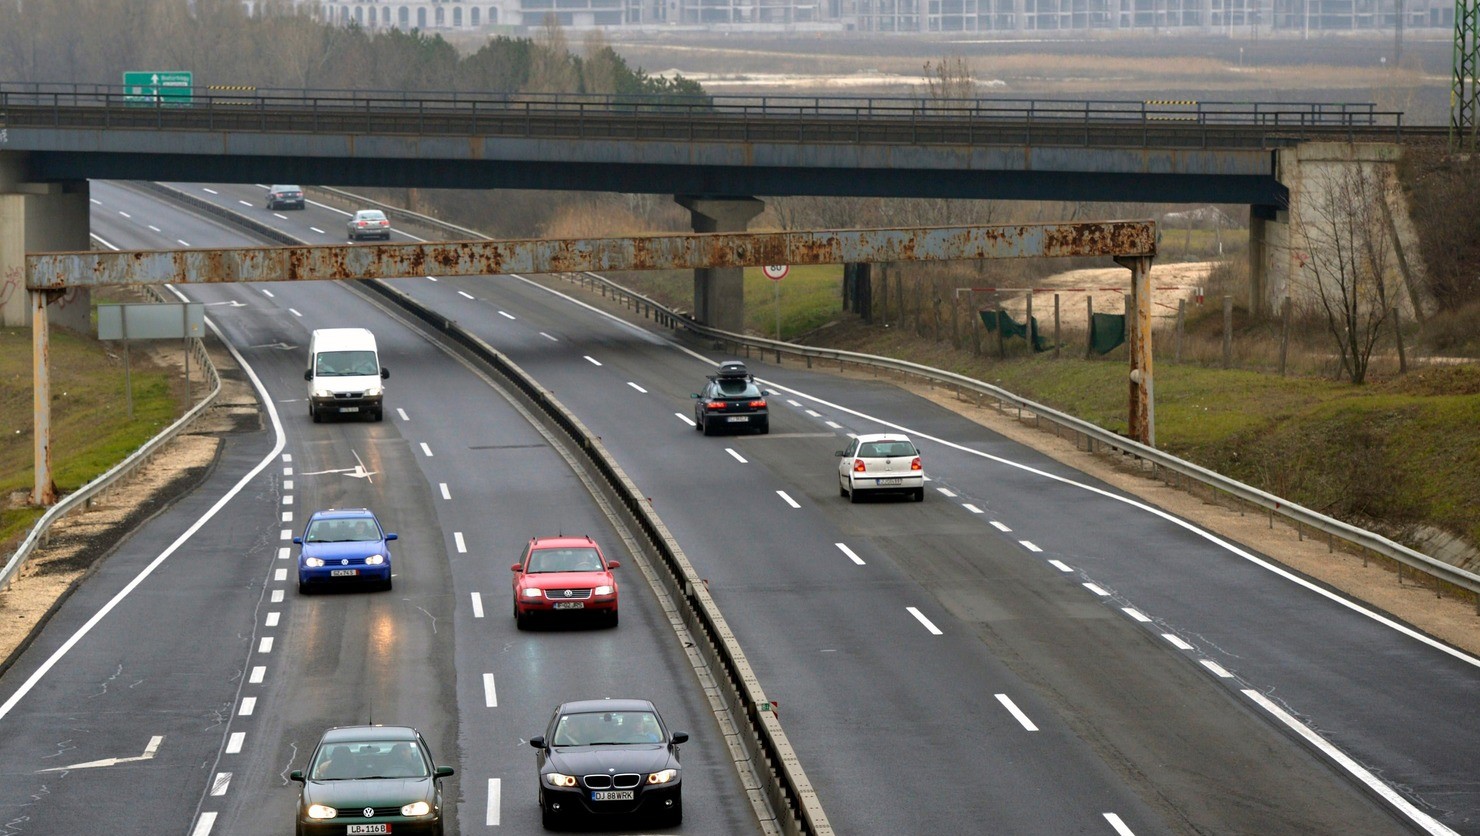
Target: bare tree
{"x":551,"y":69}
{"x":599,"y":69}
{"x":1347,"y":256}
{"x":950,"y":79}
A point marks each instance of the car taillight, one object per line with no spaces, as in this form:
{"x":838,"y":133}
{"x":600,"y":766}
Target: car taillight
{"x":915,"y":465}
{"x":757,"y":404}
{"x":715,"y":405}
{"x":858,"y":466}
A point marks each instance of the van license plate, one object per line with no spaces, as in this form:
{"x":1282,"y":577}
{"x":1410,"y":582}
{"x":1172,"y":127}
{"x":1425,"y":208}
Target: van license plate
{"x":343,"y":573}
{"x":349,"y":409}
{"x":611,"y":795}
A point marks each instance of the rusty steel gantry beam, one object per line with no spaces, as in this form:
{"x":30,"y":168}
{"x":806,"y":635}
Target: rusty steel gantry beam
{"x":1131,"y":243}
{"x":56,"y":271}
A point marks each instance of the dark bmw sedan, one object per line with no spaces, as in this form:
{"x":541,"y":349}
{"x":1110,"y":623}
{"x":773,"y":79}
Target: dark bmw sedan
{"x":370,"y":780}
{"x":609,"y":758}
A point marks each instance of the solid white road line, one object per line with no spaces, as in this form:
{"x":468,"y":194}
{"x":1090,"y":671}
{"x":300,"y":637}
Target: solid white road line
{"x":462,"y":548}
{"x":684,"y":418}
{"x":401,"y":412}
{"x":490,"y":697}
{"x":1000,"y":527}
{"x":1423,"y":820}
{"x":1176,"y":641}
{"x":1136,"y":614}
{"x":445,"y":493}
{"x":258,"y":674}
{"x":920,"y":617}
{"x":739,"y":458}
{"x":495,"y":800}
{"x":946,"y":492}
{"x":219,"y":785}
{"x":265,"y":645}
{"x":638,"y":388}
{"x":234,"y":743}
{"x":1016,"y":712}
{"x":204,"y":825}
{"x":788,"y":499}
{"x":972,"y":508}
{"x":1119,"y":825}
{"x":851,"y":556}
{"x":477,"y":605}
{"x":1060,"y":565}
{"x":249,"y":704}
{"x":1217,"y":669}
{"x":1028,"y":544}
{"x":426,"y":449}
{"x":465,"y":295}
{"x":593,"y":360}
{"x":1097,"y":590}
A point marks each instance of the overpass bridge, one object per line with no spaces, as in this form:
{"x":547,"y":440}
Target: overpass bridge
{"x":714,"y":154}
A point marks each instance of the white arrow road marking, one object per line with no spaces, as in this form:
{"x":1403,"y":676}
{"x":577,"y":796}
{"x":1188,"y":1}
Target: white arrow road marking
{"x":358,"y":472}
{"x":232,"y":304}
{"x":148,"y":755}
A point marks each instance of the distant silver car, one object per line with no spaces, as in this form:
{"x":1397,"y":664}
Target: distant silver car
{"x":881,"y":462}
{"x":369,"y":223}
{"x":285,"y":197}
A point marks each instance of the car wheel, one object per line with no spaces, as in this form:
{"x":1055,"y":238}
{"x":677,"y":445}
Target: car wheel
{"x":313,"y":413}
{"x":853,"y":495}
{"x":388,"y":585}
{"x":704,"y":426}
{"x":377,"y":415}
{"x":611,"y":620}
{"x":698,"y":424}
{"x":303,"y":588}
{"x":763,"y":429}
{"x":521,"y":621}
{"x":919,"y":494}
{"x":842,"y":489}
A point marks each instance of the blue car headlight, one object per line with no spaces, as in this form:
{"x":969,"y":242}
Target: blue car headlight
{"x":313,"y":562}
{"x":375,"y":560}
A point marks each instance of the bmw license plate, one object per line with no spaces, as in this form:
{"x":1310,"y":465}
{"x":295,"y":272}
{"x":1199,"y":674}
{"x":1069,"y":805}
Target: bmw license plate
{"x":347,"y":573}
{"x":349,"y":409}
{"x":611,"y":795}
{"x":570,"y":605}
{"x":891,"y":481}
{"x":360,"y":829}
{"x":738,"y":419}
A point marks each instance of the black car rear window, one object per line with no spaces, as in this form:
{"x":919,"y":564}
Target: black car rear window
{"x":738,"y":388}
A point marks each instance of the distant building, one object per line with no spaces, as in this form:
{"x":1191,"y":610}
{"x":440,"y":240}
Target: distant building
{"x":903,"y":16}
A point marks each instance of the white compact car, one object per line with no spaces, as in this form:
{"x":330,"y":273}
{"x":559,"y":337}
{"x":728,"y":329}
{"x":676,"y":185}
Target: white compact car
{"x":879,"y":463}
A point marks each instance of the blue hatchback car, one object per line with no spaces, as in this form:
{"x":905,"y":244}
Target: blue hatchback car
{"x":343,"y":545}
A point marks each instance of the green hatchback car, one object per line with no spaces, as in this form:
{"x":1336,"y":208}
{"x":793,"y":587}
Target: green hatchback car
{"x":371,"y":780}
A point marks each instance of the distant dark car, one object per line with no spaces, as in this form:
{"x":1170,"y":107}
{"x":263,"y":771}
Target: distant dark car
{"x":369,"y":223}
{"x":564,"y":576}
{"x":368,"y":780}
{"x":609,"y":758}
{"x":343,"y":545}
{"x":285,"y":197}
{"x":731,"y":399}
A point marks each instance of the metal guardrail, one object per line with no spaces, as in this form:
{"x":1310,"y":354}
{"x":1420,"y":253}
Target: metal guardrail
{"x":794,"y":119}
{"x":787,"y":789}
{"x":1303,"y":518}
{"x":83,"y":496}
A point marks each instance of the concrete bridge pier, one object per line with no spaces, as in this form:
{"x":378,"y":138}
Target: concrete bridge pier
{"x":40,"y":217}
{"x":719,"y":292}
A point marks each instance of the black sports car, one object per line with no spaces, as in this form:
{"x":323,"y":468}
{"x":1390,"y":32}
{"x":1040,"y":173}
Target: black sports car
{"x":609,"y":757}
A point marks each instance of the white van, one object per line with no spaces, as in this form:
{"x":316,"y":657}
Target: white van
{"x":344,"y":374}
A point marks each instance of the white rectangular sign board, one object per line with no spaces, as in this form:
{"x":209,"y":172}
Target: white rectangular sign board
{"x":150,"y":321}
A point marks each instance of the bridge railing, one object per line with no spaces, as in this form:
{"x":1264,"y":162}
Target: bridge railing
{"x":694,"y":118}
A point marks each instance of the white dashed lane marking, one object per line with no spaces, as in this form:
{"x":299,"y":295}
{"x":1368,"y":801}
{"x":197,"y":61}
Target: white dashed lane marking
{"x":286,"y":534}
{"x":462,"y":548}
{"x":787,"y":499}
{"x":1028,"y":544}
{"x":234,"y":744}
{"x":203,"y":827}
{"x":495,"y":800}
{"x":507,"y":315}
{"x":1176,"y":641}
{"x":249,"y":704}
{"x":1120,"y":828}
{"x":972,"y":508}
{"x":946,"y":492}
{"x":401,"y":412}
{"x":1216,"y":668}
{"x":490,"y":696}
{"x":294,"y":312}
{"x":283,"y":553}
{"x":834,"y":424}
{"x":277,"y":596}
{"x":920,"y":617}
{"x":1060,"y":565}
{"x":1000,"y":527}
{"x":272,"y":619}
{"x":1136,"y":614}
{"x":592,"y":360}
{"x":638,"y":388}
{"x":265,"y":645}
{"x":280,"y":575}
{"x":851,"y":556}
{"x":465,"y":295}
{"x":258,"y":674}
{"x":218,"y":786}
{"x":548,"y":337}
{"x":477,"y":605}
{"x":739,"y":458}
{"x":1096,"y":590}
{"x":321,"y":232}
{"x":425,"y":449}
{"x":684,"y":418}
{"x":446,"y":494}
{"x":1016,"y":712}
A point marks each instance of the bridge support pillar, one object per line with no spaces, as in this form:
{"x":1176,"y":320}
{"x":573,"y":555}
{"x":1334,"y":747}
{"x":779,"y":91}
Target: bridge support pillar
{"x":1269,"y":245}
{"x":719,"y":292}
{"x":40,"y":217}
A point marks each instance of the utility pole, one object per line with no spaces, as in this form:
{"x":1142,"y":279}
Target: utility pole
{"x":1462,"y":98}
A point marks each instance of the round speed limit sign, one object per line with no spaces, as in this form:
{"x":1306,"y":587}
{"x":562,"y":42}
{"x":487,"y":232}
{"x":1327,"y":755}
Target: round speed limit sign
{"x":775,"y":272}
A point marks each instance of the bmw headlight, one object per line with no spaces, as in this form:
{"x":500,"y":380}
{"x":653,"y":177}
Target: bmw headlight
{"x":375,"y":560}
{"x":313,"y":562}
{"x":532,"y":593}
{"x":319,"y":811}
{"x":555,"y":779}
{"x":602,"y":590}
{"x":662,"y":777}
{"x":416,"y":808}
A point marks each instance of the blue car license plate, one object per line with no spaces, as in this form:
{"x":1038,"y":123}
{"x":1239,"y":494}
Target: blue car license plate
{"x":343,"y":573}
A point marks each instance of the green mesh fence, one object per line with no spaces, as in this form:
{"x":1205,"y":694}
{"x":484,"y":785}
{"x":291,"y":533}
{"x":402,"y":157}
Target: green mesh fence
{"x":1012,"y":328}
{"x":1106,"y":331}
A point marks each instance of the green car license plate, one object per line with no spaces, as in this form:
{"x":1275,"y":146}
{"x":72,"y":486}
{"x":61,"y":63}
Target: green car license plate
{"x":362,"y":829}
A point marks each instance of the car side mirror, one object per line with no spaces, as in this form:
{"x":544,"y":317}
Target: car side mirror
{"x":391,"y":537}
{"x":537,"y":742}
{"x":308,"y":375}
{"x":442,"y":771}
{"x":694,"y":395}
{"x":298,"y":541}
{"x":517,"y":567}
{"x":613,"y":564}
{"x":680,"y":737}
{"x":296,"y":775}
{"x":385,"y":373}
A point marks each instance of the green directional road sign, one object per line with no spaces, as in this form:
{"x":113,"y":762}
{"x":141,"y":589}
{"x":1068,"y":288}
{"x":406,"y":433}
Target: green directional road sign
{"x":155,"y":87}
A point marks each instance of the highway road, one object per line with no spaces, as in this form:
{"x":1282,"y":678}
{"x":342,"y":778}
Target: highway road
{"x":1028,"y":651}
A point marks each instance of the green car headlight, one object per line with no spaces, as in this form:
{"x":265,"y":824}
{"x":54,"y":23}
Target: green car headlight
{"x":416,"y":808}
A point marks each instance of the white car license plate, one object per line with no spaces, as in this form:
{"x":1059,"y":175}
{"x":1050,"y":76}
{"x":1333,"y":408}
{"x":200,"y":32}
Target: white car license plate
{"x":891,"y":481}
{"x":360,"y":829}
{"x":738,"y":419}
{"x":349,"y":409}
{"x":570,"y":605}
{"x":611,"y":795}
{"x":344,"y":573}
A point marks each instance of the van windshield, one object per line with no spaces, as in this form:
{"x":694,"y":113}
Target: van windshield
{"x":345,"y":364}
